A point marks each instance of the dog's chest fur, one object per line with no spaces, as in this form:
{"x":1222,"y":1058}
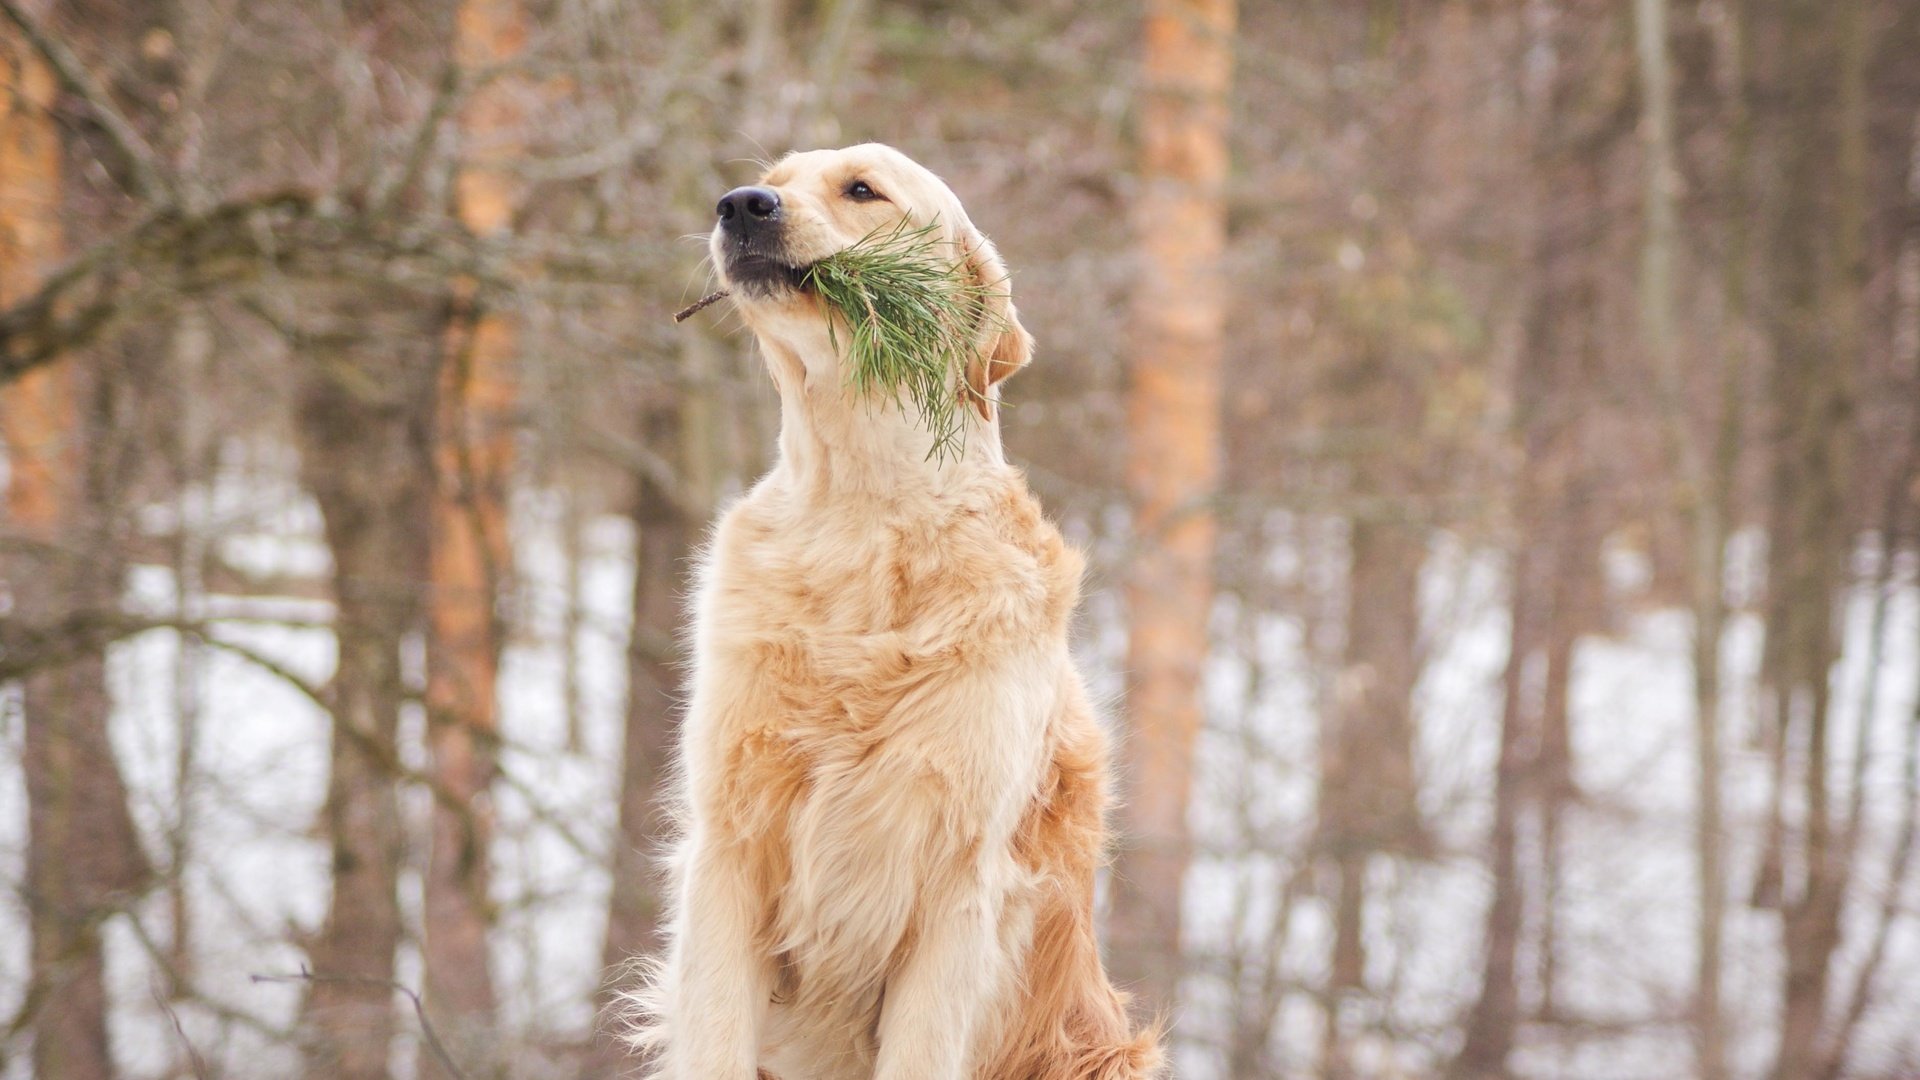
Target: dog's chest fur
{"x":882,"y":590}
{"x":856,"y":626}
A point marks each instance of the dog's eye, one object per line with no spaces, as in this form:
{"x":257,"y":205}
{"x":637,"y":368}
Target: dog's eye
{"x":861,"y":191}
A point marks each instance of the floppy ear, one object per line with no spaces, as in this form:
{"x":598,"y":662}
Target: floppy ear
{"x":1001,"y":345}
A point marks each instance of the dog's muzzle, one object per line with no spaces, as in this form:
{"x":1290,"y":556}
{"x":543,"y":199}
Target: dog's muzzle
{"x":752,"y":242}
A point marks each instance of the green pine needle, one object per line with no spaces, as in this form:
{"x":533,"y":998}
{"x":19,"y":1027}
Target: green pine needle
{"x":913,"y":316}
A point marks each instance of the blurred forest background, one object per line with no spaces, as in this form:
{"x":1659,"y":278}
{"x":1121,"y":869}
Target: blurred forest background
{"x":1494,"y":424}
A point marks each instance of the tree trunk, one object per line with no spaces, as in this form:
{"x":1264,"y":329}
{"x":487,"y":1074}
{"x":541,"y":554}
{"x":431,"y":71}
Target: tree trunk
{"x":84,"y":860}
{"x":1661,"y":173}
{"x":1707,"y":510}
{"x":1367,"y":792}
{"x":1899,"y":528}
{"x":1552,"y":579}
{"x":1709,"y":528}
{"x":1368,"y":798}
{"x":667,"y":527}
{"x":41,"y":459}
{"x":364,"y":425}
{"x":1491,"y":1024}
{"x":1814,"y":323}
{"x":195,"y":461}
{"x":1173,"y":468}
{"x":470,"y":557}
{"x":664,"y":541}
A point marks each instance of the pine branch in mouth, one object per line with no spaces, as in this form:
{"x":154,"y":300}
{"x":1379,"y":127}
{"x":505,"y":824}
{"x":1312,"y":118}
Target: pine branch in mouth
{"x":912,"y":315}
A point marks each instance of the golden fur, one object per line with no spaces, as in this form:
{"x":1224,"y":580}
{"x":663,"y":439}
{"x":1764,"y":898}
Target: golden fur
{"x":892,"y":783}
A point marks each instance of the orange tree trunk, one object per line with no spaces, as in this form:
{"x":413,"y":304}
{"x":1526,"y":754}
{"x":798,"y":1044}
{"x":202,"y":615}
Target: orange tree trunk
{"x":39,"y":405}
{"x":469,"y":554}
{"x":1173,"y":467}
{"x":83,"y":856}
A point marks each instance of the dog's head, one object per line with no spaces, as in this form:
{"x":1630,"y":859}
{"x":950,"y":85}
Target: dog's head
{"x":813,"y":204}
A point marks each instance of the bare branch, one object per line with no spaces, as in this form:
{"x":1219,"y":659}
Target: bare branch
{"x":171,"y":254}
{"x":183,"y":990}
{"x":419,"y":1009}
{"x":29,"y":649}
{"x":194,"y":1059}
{"x":147,"y":178}
{"x":642,"y":459}
{"x":165,"y":254}
{"x":449,"y":92}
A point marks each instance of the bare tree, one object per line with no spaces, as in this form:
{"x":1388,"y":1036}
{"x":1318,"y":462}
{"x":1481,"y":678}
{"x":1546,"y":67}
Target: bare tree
{"x":84,"y":860}
{"x":364,"y":460}
{"x":1706,"y":473}
{"x":1813,"y":321}
{"x":1553,"y":557}
{"x":469,"y":549}
{"x":370,"y":358}
{"x":1173,"y":468}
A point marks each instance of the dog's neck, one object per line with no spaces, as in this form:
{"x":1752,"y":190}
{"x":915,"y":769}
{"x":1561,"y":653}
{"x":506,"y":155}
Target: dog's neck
{"x":834,"y":442}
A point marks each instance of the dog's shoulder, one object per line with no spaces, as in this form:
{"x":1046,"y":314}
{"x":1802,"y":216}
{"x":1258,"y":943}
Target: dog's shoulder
{"x":980,"y":555}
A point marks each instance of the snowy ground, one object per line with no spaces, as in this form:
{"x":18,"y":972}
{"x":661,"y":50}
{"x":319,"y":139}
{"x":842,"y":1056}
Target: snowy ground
{"x":257,"y":870}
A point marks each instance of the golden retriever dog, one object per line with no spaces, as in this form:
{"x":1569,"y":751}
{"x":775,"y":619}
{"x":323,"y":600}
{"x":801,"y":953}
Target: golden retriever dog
{"x":892,"y":783}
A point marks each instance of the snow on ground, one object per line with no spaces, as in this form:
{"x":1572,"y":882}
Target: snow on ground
{"x":1624,"y":935}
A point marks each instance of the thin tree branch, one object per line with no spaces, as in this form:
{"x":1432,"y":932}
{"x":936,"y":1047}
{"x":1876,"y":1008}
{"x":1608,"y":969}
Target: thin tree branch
{"x":450,"y":90}
{"x":220,"y":1010}
{"x":170,"y":255}
{"x":166,"y":253}
{"x":27,"y":650}
{"x":419,"y":1008}
{"x":199,"y":1064}
{"x":148,"y":180}
{"x":644,"y":460}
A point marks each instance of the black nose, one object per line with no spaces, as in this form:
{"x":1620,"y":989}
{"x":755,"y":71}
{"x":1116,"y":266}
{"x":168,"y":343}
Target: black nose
{"x":744,"y":207}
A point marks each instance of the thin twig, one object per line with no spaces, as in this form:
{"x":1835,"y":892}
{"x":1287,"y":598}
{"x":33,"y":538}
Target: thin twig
{"x":198,"y":1063}
{"x":419,"y":1008}
{"x":450,"y":91}
{"x":700,"y":305}
{"x":143,"y":165}
{"x":185,"y":990}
